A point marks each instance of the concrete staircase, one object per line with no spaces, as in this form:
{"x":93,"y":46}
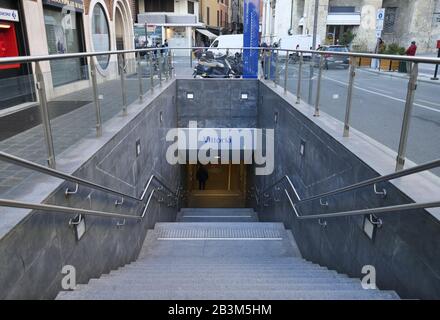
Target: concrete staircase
{"x":222,"y":260}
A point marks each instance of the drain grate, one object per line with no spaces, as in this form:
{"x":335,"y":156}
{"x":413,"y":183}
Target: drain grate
{"x":219,"y":234}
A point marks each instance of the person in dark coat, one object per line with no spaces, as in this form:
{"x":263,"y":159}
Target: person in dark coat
{"x":202,"y":176}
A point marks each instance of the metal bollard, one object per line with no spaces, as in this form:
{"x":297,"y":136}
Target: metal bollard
{"x":41,"y":89}
{"x":318,"y":87}
{"x":286,"y":72}
{"x":298,"y":88}
{"x":96,"y":100}
{"x":124,"y":93}
{"x":349,"y":98}
{"x":412,"y":87}
{"x":139,"y":71}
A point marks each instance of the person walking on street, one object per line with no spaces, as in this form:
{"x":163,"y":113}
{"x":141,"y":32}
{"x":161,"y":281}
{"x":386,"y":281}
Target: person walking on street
{"x":411,"y":51}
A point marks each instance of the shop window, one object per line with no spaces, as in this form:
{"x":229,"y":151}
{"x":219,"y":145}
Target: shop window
{"x":159,"y":5}
{"x":64,"y":35}
{"x":390,"y":19}
{"x":190,"y":7}
{"x":100,"y":34}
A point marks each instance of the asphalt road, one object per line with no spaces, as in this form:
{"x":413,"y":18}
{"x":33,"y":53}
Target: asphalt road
{"x":378,"y":106}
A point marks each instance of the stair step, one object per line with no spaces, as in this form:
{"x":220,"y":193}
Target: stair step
{"x":124,"y":286}
{"x":215,"y":260}
{"x":201,"y":218}
{"x":164,"y":294}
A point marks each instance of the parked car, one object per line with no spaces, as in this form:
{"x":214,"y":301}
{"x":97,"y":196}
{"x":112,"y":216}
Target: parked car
{"x":333,"y":60}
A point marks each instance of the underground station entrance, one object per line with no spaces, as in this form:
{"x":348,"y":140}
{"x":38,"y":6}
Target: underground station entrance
{"x":216,"y":185}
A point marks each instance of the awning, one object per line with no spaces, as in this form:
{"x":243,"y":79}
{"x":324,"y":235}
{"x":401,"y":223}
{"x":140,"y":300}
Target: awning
{"x":344,"y":19}
{"x":207,"y":33}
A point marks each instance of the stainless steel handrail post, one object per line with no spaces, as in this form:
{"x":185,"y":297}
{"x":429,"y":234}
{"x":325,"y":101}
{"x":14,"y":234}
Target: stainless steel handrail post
{"x":139,"y":71}
{"x":269,"y":73}
{"x":286,"y":72}
{"x":318,"y":87}
{"x":122,"y":74}
{"x":412,"y":87}
{"x":275,"y":79}
{"x":151,"y":72}
{"x":41,"y":89}
{"x":298,"y":88}
{"x":159,"y":62}
{"x":96,"y":101}
{"x":349,"y":98}
{"x":190,"y":59}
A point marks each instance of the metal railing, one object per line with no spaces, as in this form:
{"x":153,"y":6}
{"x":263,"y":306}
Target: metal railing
{"x":79,"y":181}
{"x":166,"y":61}
{"x":356,"y":186}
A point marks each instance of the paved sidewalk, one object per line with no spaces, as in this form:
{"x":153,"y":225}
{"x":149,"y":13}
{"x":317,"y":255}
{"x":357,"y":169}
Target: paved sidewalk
{"x":67,"y":130}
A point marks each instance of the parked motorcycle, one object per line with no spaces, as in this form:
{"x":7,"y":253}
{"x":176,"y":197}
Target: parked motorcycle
{"x":220,"y":67}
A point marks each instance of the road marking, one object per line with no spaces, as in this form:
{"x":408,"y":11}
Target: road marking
{"x":380,"y":90}
{"x":222,"y":239}
{"x":384,"y":95}
{"x":426,"y":101}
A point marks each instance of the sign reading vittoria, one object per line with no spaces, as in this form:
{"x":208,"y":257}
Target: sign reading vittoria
{"x":78,"y":5}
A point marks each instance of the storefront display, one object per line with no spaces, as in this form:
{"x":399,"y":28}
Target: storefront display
{"x":64,"y":35}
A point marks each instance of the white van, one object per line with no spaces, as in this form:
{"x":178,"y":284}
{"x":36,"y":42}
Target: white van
{"x":305,"y":42}
{"x":221,"y":43}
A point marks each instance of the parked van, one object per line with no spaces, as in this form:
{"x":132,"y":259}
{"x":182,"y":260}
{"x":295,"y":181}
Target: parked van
{"x":221,"y":43}
{"x":305,"y":42}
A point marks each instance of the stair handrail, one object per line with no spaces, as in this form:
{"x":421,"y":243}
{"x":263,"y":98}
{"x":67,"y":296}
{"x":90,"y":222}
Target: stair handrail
{"x":374,"y":181}
{"x":44,"y":208}
{"x":147,"y":186}
{"x":67,"y":177}
{"x":61,"y":175}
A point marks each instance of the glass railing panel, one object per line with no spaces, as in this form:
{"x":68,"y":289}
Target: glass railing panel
{"x":424,"y":131}
{"x":334,"y":84}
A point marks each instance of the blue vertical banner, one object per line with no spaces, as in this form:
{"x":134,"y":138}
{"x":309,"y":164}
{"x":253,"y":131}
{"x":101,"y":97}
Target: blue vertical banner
{"x":251,"y":38}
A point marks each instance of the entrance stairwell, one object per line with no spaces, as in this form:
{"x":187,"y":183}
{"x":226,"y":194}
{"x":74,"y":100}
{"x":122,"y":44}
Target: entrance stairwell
{"x":218,"y":254}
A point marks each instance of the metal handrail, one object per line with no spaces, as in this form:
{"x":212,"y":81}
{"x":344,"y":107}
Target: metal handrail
{"x":154,"y":177}
{"x":147,"y":205}
{"x":58,"y":174}
{"x":400,"y":207}
{"x":388,"y":177}
{"x":62,"y":209}
{"x":28,"y":59}
{"x":61,"y":175}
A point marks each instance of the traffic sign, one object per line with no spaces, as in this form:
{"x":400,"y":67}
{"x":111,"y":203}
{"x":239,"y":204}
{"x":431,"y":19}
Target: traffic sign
{"x":380,"y":18}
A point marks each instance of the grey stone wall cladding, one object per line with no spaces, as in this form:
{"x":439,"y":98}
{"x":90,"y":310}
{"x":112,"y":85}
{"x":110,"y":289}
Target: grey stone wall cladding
{"x":405,"y":250}
{"x":217,"y":103}
{"x":33,"y":253}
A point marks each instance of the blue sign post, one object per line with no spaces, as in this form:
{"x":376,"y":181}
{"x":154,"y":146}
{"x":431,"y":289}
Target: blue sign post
{"x":251,"y":38}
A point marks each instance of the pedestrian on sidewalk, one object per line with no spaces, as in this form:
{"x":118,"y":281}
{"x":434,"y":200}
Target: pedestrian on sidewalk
{"x":380,"y":49}
{"x":411,"y":51}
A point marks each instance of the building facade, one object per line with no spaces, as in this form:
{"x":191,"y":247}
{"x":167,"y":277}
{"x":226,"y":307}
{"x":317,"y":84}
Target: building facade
{"x":405,"y":21}
{"x":172,"y":20}
{"x":237,"y":14}
{"x":46,"y":27}
{"x":216,"y":15}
